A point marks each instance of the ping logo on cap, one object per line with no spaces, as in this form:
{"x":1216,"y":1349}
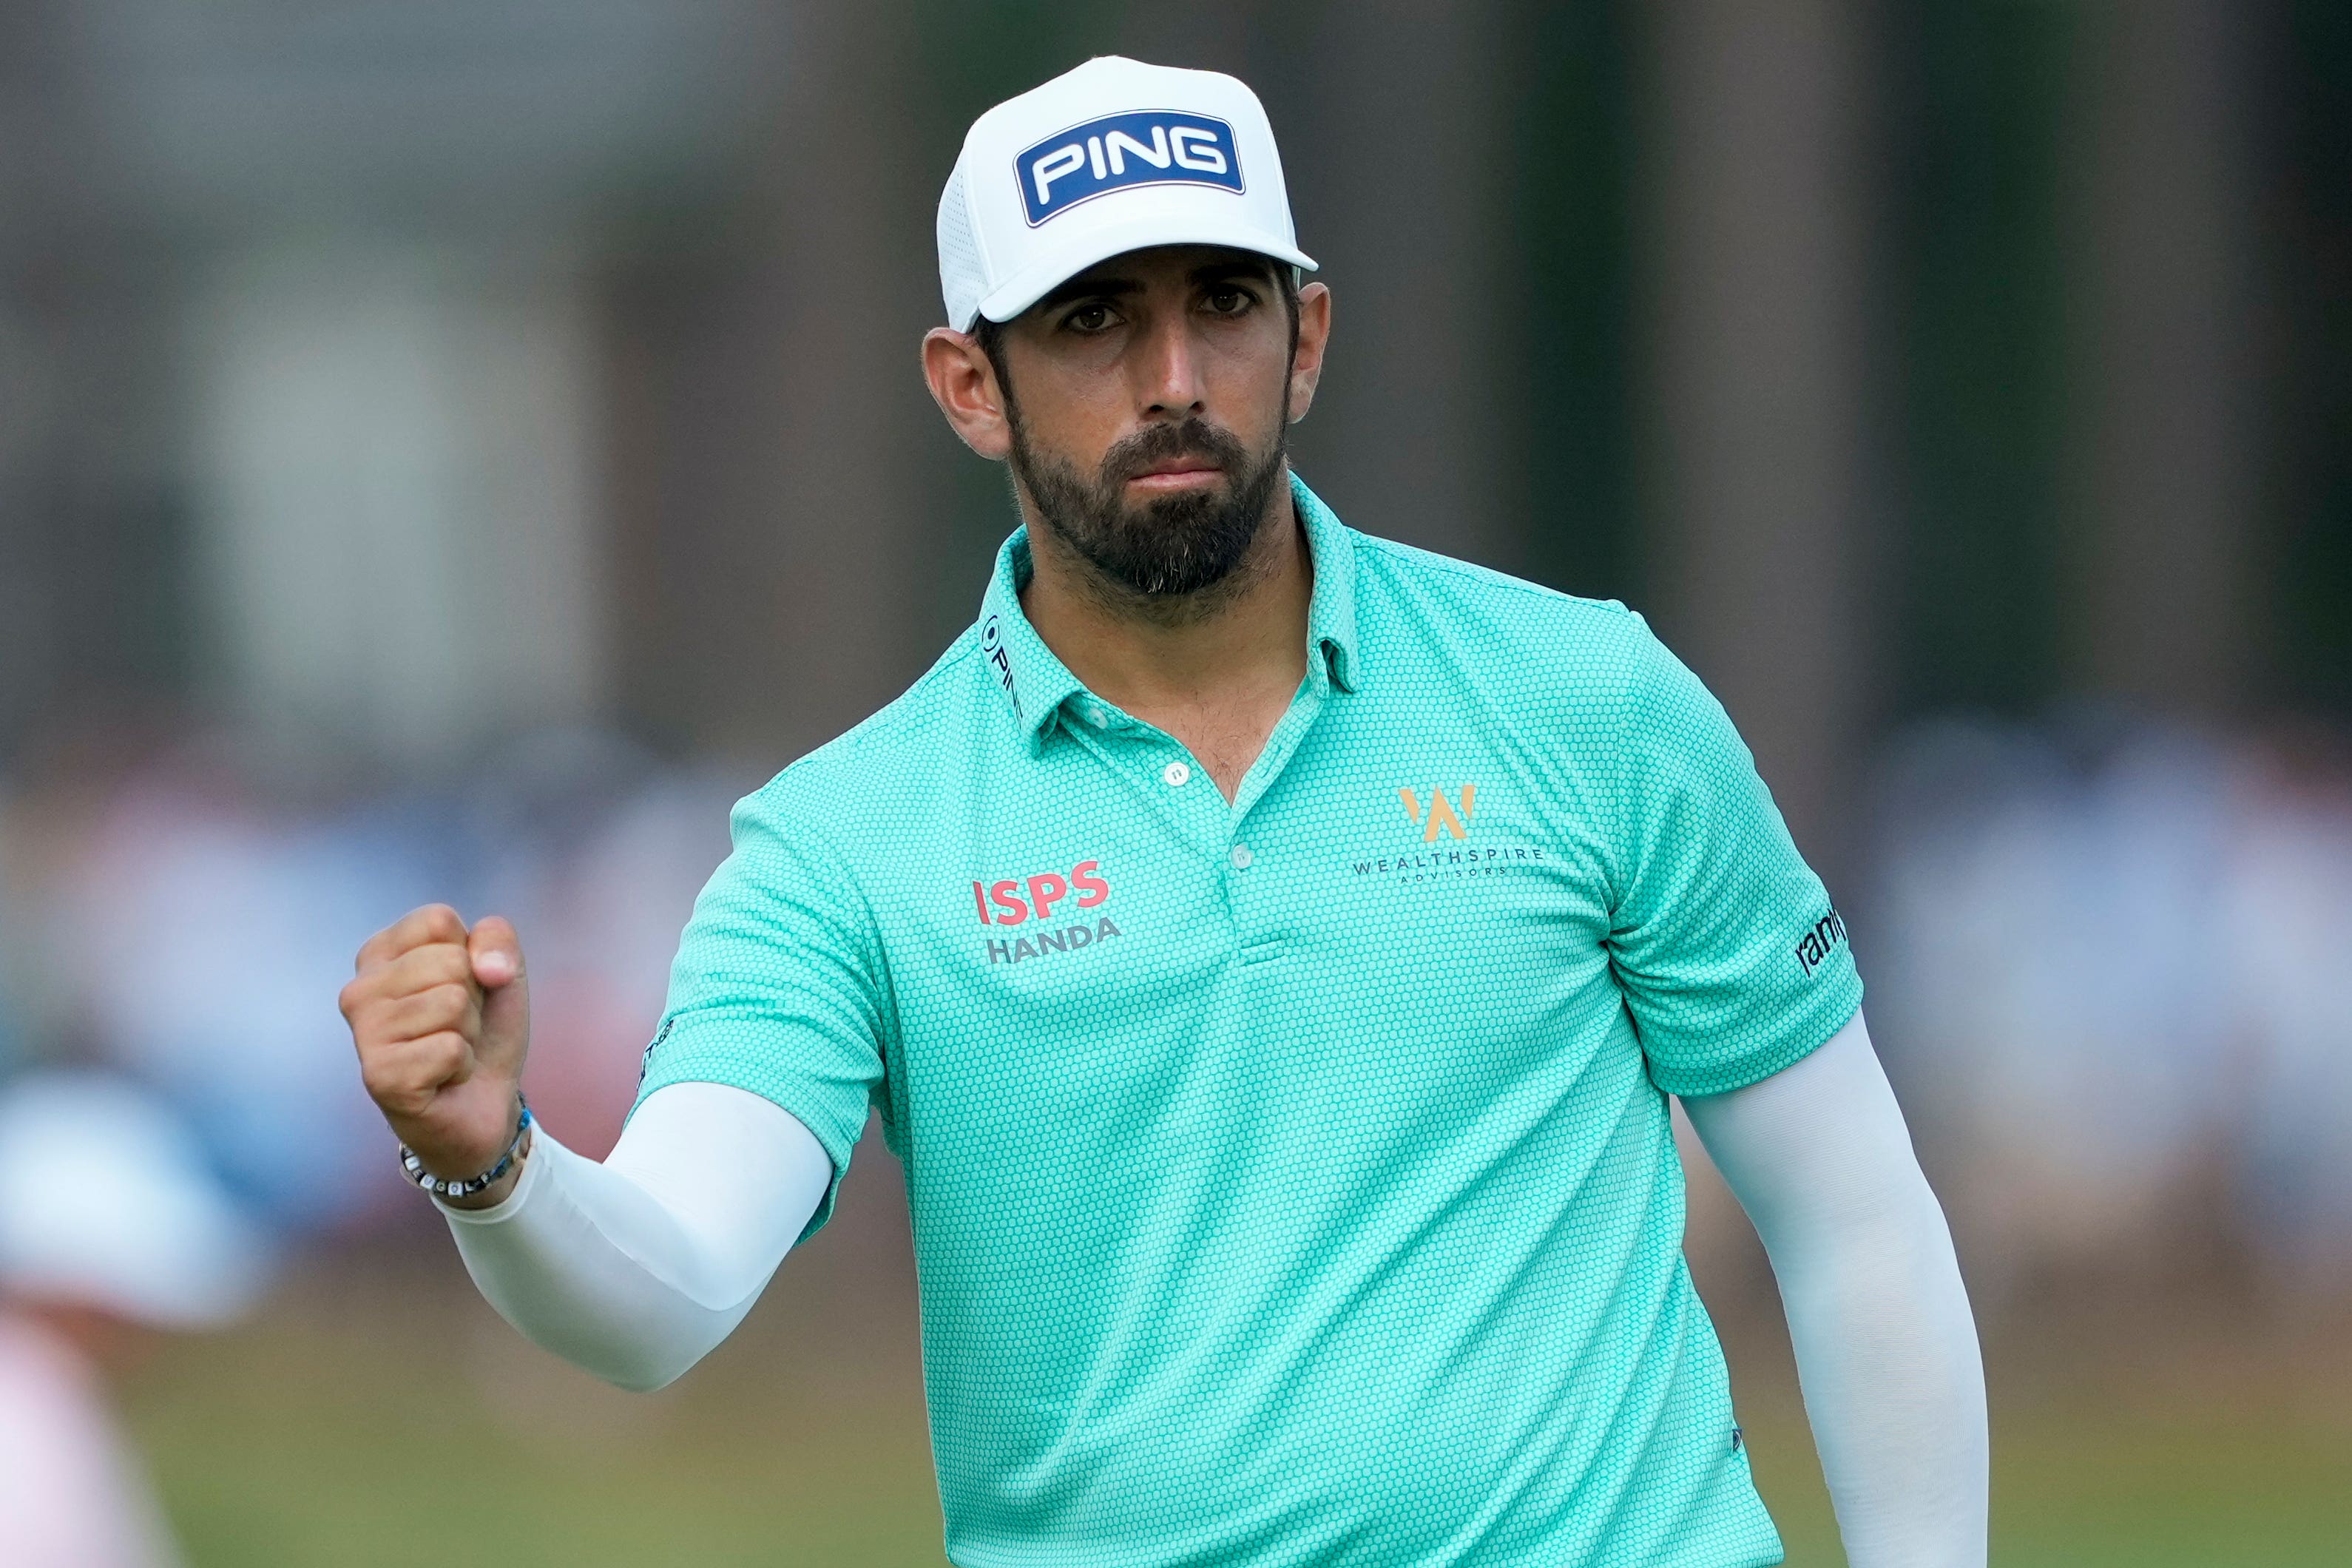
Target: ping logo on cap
{"x":1146,"y":147}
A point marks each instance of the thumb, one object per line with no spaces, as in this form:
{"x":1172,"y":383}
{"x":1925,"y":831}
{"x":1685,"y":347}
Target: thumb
{"x":497,"y":953}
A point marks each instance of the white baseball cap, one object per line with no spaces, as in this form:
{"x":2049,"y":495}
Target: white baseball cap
{"x":1110,"y":157}
{"x":106,"y":1201}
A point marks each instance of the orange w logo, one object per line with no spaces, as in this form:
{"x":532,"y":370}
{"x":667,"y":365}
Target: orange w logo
{"x":1437,"y":814}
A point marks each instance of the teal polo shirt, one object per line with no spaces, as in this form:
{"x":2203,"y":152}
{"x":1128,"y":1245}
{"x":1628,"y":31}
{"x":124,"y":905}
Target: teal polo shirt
{"x":1291,"y":1180}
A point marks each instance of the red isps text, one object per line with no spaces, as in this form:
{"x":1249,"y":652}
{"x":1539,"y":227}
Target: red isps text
{"x":1045,"y":889}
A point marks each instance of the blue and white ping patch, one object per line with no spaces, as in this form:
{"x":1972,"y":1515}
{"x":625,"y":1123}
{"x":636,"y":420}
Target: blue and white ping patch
{"x":1146,"y":147}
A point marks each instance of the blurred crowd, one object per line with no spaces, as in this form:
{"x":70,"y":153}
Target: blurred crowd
{"x":182,"y":913}
{"x":179,"y":1106}
{"x":2111,"y":965}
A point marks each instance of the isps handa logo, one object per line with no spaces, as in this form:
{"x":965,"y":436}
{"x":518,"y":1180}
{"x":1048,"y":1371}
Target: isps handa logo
{"x":1018,"y":900}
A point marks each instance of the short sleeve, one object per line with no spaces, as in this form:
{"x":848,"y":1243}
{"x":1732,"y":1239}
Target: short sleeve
{"x":1733,"y":964}
{"x":775,"y":988}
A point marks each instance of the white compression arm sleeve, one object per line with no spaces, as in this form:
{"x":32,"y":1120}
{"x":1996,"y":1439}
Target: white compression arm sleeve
{"x":1887,"y":1347}
{"x":635,"y":1269}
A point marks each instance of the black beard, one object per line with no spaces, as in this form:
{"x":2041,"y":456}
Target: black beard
{"x":1170,"y":546}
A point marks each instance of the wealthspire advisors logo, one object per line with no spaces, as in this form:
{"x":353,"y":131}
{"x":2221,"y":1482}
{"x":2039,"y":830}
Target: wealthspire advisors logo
{"x":1449,"y":815}
{"x":1437,"y":816}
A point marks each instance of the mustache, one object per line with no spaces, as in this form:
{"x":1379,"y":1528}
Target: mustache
{"x":1155,"y":444}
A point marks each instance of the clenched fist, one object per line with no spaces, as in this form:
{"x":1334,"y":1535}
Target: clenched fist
{"x":441,"y":1017}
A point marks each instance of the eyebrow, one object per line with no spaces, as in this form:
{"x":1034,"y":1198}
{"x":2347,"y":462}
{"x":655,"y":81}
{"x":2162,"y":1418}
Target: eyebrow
{"x":1115,"y":287}
{"x":1256,"y":266}
{"x":1090,"y":288}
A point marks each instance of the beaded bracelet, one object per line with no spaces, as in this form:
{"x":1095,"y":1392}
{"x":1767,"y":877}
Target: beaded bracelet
{"x":471,"y":1184}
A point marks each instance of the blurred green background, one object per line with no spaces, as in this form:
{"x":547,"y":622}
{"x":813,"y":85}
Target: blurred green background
{"x":447,"y":449}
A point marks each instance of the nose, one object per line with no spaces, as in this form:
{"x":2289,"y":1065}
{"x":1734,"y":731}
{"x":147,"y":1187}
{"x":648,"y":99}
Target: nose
{"x":1167,"y":369}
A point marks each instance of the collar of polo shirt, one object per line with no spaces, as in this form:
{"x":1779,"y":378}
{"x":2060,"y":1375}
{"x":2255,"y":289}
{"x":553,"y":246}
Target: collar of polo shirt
{"x":1038,"y":686}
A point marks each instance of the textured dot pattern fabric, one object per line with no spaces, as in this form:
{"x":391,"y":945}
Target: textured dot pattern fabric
{"x":1314,"y":1203}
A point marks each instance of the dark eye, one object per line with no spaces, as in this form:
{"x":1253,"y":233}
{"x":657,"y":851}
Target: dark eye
{"x":1092,"y":318}
{"x":1230,"y":300}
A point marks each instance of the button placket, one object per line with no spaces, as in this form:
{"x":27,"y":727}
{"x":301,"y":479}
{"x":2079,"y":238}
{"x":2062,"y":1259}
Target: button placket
{"x":1250,"y":898}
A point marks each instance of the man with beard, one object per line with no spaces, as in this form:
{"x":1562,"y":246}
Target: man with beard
{"x":1270,"y":950}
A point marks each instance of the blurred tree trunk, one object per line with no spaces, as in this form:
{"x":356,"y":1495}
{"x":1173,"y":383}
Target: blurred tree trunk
{"x":2165,"y":481}
{"x":1756,"y":239}
{"x":1400,"y":175}
{"x":776,"y":454}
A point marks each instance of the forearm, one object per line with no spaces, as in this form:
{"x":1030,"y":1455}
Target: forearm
{"x":589,"y":1265}
{"x":1887,"y":1352}
{"x":635,"y":1269}
{"x":1885,"y":1343}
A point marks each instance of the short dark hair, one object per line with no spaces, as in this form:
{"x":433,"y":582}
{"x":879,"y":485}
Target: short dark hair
{"x":990,"y":335}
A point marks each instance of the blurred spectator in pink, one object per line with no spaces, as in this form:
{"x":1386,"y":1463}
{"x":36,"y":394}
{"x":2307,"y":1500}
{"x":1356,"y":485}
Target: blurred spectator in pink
{"x":111,"y":1230}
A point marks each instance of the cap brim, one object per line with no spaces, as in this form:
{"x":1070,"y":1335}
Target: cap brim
{"x":1101,"y":241}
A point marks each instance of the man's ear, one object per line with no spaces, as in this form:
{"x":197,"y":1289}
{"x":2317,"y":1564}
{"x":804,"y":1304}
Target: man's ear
{"x":963,"y":384}
{"x":1314,"y":336}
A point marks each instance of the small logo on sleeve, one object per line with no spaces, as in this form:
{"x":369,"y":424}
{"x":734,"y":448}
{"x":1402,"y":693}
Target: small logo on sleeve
{"x":1821,"y":941}
{"x":646,"y":1062}
{"x":1150,"y":147}
{"x":1019,"y":901}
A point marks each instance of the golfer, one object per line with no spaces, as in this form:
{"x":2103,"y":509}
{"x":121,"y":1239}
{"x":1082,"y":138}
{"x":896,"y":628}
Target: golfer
{"x":1270,"y":950}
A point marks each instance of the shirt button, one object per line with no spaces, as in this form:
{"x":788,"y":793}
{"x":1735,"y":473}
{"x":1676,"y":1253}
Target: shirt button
{"x":1175,"y":773}
{"x":1097,"y":718}
{"x":1240,"y":857}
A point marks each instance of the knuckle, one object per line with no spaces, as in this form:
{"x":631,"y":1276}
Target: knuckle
{"x":368,"y":1028}
{"x":416,"y":970}
{"x":448,"y":1004}
{"x":422,"y":968}
{"x":383,"y":946}
{"x":437,"y":1058}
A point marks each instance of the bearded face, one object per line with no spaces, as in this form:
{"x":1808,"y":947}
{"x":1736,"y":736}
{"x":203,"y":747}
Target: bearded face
{"x":1162,"y":546}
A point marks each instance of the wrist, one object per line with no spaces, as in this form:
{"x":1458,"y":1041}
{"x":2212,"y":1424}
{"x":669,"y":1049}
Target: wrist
{"x":495,"y":1177}
{"x":503,"y":1188}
